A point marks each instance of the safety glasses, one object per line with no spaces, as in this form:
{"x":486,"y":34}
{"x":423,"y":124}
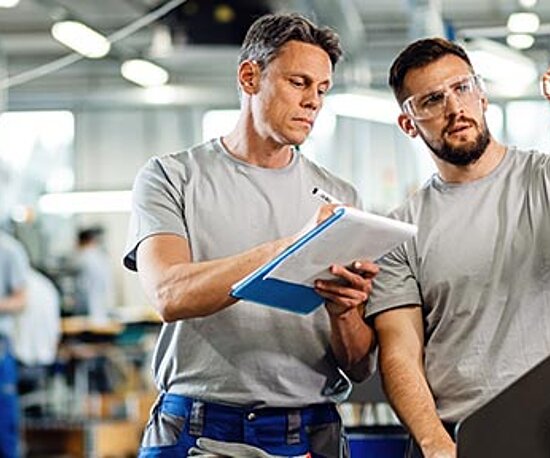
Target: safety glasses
{"x":466,"y":89}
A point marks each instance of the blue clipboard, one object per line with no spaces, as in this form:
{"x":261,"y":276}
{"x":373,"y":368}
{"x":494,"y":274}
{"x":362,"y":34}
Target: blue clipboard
{"x":287,"y":280}
{"x":283,"y":294}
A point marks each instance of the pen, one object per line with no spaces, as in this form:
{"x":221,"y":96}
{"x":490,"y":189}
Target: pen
{"x":325,"y":196}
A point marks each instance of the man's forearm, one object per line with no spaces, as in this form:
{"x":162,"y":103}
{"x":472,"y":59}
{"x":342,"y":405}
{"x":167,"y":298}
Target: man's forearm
{"x":194,"y":289}
{"x":408,"y":392}
{"x":352,"y":340}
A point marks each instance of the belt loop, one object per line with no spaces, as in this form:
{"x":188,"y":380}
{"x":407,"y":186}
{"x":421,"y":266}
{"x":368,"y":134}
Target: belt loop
{"x":293,"y":427}
{"x":196,"y":419}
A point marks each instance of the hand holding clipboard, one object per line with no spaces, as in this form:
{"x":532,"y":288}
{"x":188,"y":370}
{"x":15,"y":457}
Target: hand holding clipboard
{"x":287,"y":280}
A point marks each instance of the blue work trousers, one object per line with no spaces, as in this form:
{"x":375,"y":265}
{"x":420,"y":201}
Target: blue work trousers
{"x":9,"y":409}
{"x":177,"y":422}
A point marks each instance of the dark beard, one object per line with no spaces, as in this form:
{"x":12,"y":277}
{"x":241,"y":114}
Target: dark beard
{"x":463,"y":155}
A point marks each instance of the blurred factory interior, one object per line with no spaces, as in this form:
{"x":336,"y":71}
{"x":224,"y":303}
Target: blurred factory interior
{"x":74,"y":130}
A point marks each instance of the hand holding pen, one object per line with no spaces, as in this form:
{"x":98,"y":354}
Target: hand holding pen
{"x":330,"y":202}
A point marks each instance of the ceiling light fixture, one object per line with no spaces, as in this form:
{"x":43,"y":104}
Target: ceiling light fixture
{"x":144,"y":73}
{"x":527,"y":3}
{"x":523,"y":22}
{"x":8,"y":3}
{"x":81,"y":38}
{"x":520,"y":40}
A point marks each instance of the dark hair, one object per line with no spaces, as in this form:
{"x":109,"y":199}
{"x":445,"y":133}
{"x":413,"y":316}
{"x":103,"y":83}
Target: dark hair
{"x":89,"y":234}
{"x":268,"y":34}
{"x":419,"y":54}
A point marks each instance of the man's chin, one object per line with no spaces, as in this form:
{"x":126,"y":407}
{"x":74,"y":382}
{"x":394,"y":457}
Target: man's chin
{"x":460,"y":156}
{"x":297,"y":140}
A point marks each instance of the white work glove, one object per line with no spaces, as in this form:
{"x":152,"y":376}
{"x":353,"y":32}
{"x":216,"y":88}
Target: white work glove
{"x":209,"y":448}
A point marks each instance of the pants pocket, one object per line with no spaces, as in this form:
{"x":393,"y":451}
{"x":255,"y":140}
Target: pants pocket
{"x":163,"y":430}
{"x":328,"y":441}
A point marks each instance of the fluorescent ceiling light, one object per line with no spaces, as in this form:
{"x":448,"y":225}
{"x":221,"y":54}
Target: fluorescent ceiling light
{"x":523,"y":22}
{"x":85,"y":202}
{"x":527,"y":3}
{"x":144,"y":73}
{"x":81,"y":39}
{"x":371,"y":106}
{"x":520,"y":40}
{"x":8,"y":3}
{"x":502,"y":65}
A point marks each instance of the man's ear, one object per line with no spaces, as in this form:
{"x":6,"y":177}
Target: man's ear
{"x":249,"y":76}
{"x":484,"y":102}
{"x":407,"y":125}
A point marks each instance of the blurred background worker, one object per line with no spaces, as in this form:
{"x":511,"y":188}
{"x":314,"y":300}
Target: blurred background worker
{"x":35,"y":340}
{"x":94,"y":278}
{"x":14,"y":268}
{"x":38,"y":326}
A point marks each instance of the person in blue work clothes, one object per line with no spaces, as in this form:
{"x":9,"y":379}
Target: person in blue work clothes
{"x":14,"y":269}
{"x":237,"y":378}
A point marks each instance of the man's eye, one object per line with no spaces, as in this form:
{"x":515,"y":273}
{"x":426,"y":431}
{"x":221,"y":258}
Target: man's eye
{"x":433,"y":99}
{"x":463,"y":88}
{"x":297,"y":83}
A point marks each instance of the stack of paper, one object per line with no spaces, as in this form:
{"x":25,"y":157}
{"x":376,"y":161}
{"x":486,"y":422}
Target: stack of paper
{"x":348,"y":235}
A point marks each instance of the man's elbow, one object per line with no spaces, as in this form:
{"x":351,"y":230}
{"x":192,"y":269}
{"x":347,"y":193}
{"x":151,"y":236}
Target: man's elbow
{"x":172,"y":307}
{"x":165,"y":309}
{"x":166,"y":305}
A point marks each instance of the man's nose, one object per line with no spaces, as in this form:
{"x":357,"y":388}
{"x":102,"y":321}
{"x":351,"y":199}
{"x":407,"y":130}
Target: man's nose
{"x":453,"y":103}
{"x":312,"y":99}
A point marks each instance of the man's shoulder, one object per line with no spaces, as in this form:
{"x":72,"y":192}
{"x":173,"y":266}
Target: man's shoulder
{"x":181,"y":163}
{"x":533,"y":158}
{"x":529,"y":166}
{"x":324,"y":177}
{"x":198,"y":152}
{"x":409,"y":209}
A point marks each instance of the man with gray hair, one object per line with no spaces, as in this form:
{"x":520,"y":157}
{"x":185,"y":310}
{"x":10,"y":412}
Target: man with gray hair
{"x":256,"y":380}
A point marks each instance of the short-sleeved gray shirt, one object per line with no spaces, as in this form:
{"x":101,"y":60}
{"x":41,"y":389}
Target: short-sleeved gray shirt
{"x":247,"y":354}
{"x":480,"y":267}
{"x":14,"y":268}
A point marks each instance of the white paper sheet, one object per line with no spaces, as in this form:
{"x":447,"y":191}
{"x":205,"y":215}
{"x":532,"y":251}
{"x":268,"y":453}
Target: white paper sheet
{"x":355,"y":236}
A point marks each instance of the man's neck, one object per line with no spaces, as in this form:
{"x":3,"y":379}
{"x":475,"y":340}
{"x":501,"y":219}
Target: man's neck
{"x":488,"y":162}
{"x":246,"y":144}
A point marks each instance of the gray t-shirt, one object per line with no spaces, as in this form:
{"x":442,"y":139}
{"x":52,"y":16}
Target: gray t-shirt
{"x":14,"y":268}
{"x":480,"y":268}
{"x":247,"y":354}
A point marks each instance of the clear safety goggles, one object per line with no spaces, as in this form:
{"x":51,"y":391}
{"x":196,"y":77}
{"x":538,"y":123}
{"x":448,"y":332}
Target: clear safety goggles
{"x":466,"y":89}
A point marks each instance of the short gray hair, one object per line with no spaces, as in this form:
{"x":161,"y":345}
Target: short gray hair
{"x":268,"y":34}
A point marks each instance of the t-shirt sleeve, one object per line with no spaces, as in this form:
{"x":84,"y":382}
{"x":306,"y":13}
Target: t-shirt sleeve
{"x":18,"y":271}
{"x":395,"y":285}
{"x":157,"y":205}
